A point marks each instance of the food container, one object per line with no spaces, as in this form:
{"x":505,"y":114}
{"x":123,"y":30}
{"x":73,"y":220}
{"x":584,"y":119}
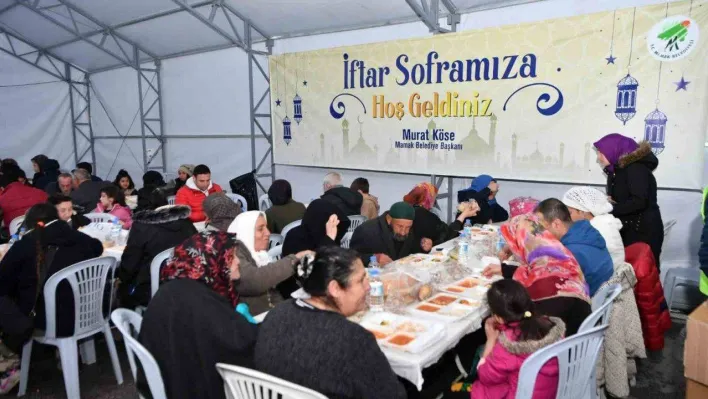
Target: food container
{"x":469,"y":287}
{"x":446,"y":307}
{"x":401,"y":332}
{"x":402,"y":289}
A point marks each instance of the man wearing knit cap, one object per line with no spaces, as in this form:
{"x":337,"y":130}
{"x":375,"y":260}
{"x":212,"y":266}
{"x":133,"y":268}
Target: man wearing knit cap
{"x":387,"y":237}
{"x":220,"y":211}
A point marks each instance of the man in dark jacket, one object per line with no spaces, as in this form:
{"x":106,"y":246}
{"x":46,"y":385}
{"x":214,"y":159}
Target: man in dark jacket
{"x":347,"y":200}
{"x":152,"y":232}
{"x":50,"y":173}
{"x":89,"y":168}
{"x":582,"y":240}
{"x":86,"y":192}
{"x":388,"y":237}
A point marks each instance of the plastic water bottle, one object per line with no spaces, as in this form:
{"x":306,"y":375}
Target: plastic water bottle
{"x":23,"y":231}
{"x":115,"y":231}
{"x":463,"y":248}
{"x":13,"y":239}
{"x":467,"y":229}
{"x":376,"y":295}
{"x":500,"y":242}
{"x":243,"y":309}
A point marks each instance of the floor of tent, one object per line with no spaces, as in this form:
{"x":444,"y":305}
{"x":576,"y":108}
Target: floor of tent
{"x":660,"y":375}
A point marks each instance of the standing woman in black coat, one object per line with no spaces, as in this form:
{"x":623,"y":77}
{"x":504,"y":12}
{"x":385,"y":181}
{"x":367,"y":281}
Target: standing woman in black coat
{"x":632,"y":189}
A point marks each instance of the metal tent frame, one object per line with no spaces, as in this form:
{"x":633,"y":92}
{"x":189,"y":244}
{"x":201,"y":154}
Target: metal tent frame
{"x":237,"y":31}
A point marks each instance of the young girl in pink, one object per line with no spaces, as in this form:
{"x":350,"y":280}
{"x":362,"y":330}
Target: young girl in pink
{"x":514,"y":332}
{"x":112,"y":201}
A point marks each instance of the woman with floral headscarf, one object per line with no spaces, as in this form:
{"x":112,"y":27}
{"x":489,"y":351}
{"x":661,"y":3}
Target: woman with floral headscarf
{"x":548,"y":270}
{"x":427,"y":225}
{"x":191,"y":323}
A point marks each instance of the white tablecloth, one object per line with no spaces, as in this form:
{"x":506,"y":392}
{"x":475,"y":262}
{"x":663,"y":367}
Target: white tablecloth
{"x":100,"y":231}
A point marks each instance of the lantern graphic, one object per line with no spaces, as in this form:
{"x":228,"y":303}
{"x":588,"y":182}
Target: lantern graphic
{"x":626,"y":98}
{"x":655,"y":130}
{"x":287,"y":136}
{"x":297,"y":108}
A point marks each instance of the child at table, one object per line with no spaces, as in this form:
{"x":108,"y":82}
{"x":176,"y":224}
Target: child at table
{"x":514,"y":332}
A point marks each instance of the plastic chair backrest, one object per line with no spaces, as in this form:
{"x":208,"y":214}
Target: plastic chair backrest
{"x":275,"y":240}
{"x":601,"y":307}
{"x":124,"y":319}
{"x":264,"y":202}
{"x":171,"y":199}
{"x":88,"y":282}
{"x":276,"y":253}
{"x":346,"y":240}
{"x":577,"y":356}
{"x":239,"y":199}
{"x":356,"y":221}
{"x":15,"y":224}
{"x":289,"y":227}
{"x":100,"y":217}
{"x":243,"y":383}
{"x":155,"y":266}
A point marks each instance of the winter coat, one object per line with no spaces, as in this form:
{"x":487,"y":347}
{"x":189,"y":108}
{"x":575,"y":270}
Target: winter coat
{"x":279,"y":216}
{"x":347,"y":200}
{"x":256,"y":286}
{"x":498,"y":375}
{"x":18,"y":272}
{"x":123,"y":213}
{"x":194,"y":197}
{"x":17,"y":199}
{"x":370,"y":207}
{"x":609,"y":228}
{"x":653,"y":311}
{"x":633,"y":188}
{"x":152,"y":232}
{"x":88,"y":194}
{"x":589,"y":249}
{"x":428,"y":225}
{"x":50,"y":174}
{"x":375,"y":237}
{"x":489,"y":210}
{"x":623,"y":343}
{"x":188,"y":328}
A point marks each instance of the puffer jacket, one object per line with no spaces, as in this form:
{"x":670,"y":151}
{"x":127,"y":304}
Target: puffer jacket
{"x":653,"y":311}
{"x":498,"y":376}
{"x":624,"y":343}
{"x":193,"y":197}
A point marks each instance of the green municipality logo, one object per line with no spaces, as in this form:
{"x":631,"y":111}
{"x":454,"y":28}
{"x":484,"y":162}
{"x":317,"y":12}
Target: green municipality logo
{"x":673,"y":38}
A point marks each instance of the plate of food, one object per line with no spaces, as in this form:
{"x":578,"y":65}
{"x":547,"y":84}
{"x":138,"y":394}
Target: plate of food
{"x":468,"y":287}
{"x":401,"y":332}
{"x":404,"y":289}
{"x":445,"y":307}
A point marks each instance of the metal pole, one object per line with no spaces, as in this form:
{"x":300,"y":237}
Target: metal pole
{"x":90,"y":126}
{"x":249,"y":47}
{"x":163,"y":140}
{"x":142,"y":115}
{"x":449,"y":198}
{"x":67,"y":68}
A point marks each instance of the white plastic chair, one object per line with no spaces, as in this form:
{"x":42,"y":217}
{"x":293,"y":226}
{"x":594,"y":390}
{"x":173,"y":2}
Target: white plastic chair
{"x":155,"y":269}
{"x":346,"y":240}
{"x":171,"y":199}
{"x":124,"y":319}
{"x":355,"y":221}
{"x":16,"y":223}
{"x":276,"y":253}
{"x":88,"y":282}
{"x":100,"y":217}
{"x":264,"y":202}
{"x":239,"y":199}
{"x":289,"y":227}
{"x":601,"y":307}
{"x":275,"y":240}
{"x":576,"y":356}
{"x":243,"y":383}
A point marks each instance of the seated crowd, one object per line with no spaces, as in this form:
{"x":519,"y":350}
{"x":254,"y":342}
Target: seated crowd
{"x":563,"y":251}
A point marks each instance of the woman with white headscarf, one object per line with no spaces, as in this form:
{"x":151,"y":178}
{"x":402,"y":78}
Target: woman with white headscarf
{"x":259,"y":273}
{"x":587,"y":203}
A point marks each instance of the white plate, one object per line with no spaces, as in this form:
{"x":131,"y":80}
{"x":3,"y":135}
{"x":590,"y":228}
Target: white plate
{"x":449,"y":312}
{"x":424,"y":332}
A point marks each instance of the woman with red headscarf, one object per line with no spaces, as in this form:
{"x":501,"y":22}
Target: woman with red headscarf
{"x":548,"y":270}
{"x":191,"y":323}
{"x":428,"y":225}
{"x":632,"y":189}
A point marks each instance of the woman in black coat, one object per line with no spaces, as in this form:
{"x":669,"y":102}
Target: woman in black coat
{"x":19,"y":267}
{"x":152,"y":232}
{"x":632,"y":189}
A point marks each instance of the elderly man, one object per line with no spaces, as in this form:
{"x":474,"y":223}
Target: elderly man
{"x":582,"y":240}
{"x":63,"y":185}
{"x":389,"y":236}
{"x":86,"y":192}
{"x":347,"y":200}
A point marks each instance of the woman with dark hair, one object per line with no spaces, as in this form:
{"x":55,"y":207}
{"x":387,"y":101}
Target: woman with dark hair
{"x":49,"y":246}
{"x":548,"y":270}
{"x":284,"y":210}
{"x":113,"y":202}
{"x":632,"y":189}
{"x":514,"y":332}
{"x":324,"y":224}
{"x":191,"y":323}
{"x":311,"y":343}
{"x":124,"y":182}
{"x":152,"y":195}
{"x":37,"y":164}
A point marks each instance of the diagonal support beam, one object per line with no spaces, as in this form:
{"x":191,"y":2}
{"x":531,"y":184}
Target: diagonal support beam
{"x":211,"y":25}
{"x":54,"y":71}
{"x":428,"y":12}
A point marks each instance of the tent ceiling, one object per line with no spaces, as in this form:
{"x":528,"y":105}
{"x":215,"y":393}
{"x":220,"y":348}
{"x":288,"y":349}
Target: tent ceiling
{"x":97,"y":35}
